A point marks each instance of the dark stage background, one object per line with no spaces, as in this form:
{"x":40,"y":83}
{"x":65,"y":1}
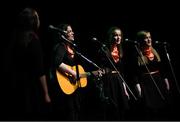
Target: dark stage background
{"x":92,"y":19}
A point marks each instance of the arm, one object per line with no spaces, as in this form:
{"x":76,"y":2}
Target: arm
{"x":63,"y":67}
{"x":125,"y":90}
{"x":45,"y":88}
{"x":38,"y":61}
{"x":167,"y":84}
{"x":164,"y":71}
{"x":138,"y":89}
{"x":60,"y":52}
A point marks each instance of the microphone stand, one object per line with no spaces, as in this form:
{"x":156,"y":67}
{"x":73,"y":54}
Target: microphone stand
{"x":120,"y":76}
{"x":75,"y":46}
{"x":172,"y":70}
{"x":141,"y":56}
{"x":99,"y":84}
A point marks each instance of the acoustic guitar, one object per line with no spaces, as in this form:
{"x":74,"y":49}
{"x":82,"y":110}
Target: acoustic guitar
{"x":68,"y":84}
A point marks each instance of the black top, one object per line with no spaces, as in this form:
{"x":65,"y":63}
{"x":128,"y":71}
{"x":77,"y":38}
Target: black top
{"x":26,"y":68}
{"x":113,"y":86}
{"x":67,"y":105}
{"x":153,"y":65}
{"x":150,"y":83}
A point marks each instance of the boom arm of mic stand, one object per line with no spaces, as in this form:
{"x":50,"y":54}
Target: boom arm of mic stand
{"x":79,"y":54}
{"x":88,"y":60}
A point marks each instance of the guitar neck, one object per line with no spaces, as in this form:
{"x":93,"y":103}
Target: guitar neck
{"x":85,"y":75}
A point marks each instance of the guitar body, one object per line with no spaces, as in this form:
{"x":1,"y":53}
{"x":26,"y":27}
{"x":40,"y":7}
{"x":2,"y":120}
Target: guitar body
{"x":67,"y":83}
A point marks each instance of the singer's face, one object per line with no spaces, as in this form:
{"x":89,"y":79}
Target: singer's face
{"x":70,"y":33}
{"x":117,"y":36}
{"x":147,"y":40}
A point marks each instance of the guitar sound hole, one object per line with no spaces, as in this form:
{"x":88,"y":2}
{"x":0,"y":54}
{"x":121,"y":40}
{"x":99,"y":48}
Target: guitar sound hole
{"x":71,"y":79}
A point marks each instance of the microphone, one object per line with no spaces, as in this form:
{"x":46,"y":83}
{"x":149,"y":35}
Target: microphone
{"x":161,"y":43}
{"x":131,"y":41}
{"x":94,"y":39}
{"x":57,"y":29}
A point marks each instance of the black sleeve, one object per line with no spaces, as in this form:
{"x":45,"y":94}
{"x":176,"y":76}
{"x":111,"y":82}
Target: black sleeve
{"x":131,"y":71}
{"x":135,"y":71}
{"x":163,"y":65}
{"x":164,"y":68}
{"x":37,"y":57}
{"x":59,"y":52}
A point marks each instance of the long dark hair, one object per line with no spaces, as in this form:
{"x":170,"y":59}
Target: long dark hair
{"x":110,"y":40}
{"x":63,"y":26}
{"x":26,"y":27}
{"x":27,"y":19}
{"x":56,"y":36}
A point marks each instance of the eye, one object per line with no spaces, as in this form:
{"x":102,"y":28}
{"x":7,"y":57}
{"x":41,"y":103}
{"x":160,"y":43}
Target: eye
{"x":69,"y":31}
